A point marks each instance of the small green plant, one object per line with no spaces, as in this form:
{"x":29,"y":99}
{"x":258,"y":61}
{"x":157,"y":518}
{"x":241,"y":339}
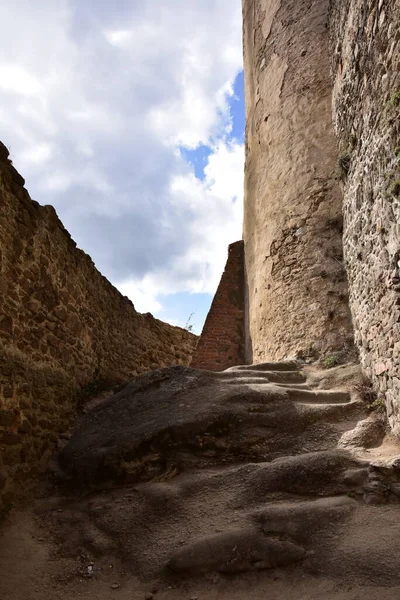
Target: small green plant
{"x":352,"y":495}
{"x":189,"y":325}
{"x":391,"y":108}
{"x":378,"y":405}
{"x":332,"y":360}
{"x":394,"y":188}
{"x":395,"y":99}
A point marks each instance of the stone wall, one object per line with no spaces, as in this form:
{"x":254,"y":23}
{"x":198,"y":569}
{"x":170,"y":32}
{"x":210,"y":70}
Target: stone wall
{"x":63,"y":329}
{"x":365,"y":51}
{"x":221,"y":343}
{"x":297,"y":298}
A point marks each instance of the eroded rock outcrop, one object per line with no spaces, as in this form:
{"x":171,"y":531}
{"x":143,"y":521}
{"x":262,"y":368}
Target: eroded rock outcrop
{"x":252,"y":468}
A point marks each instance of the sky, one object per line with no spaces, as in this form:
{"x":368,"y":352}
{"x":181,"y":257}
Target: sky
{"x":128,"y":118}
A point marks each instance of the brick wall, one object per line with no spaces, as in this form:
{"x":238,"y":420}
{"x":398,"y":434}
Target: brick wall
{"x":63,"y":329}
{"x":221,"y":344}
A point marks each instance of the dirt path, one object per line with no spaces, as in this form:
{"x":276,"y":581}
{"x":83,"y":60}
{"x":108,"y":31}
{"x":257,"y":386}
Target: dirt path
{"x":319,"y":505}
{"x":31,"y":571}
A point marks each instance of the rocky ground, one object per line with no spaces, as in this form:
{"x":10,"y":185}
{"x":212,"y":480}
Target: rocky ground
{"x":265,"y":481}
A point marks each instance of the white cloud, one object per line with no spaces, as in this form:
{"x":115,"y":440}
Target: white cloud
{"x":58,"y":182}
{"x":96,"y":99}
{"x":143,"y":294}
{"x":216,"y":204}
{"x":224,"y":172}
{"x":37,"y":155}
{"x":117,"y":38}
{"x":14,"y":78}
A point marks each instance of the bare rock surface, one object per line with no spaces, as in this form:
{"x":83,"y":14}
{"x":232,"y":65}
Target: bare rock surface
{"x":235,"y":551}
{"x":176,"y":418}
{"x":188,"y":481}
{"x":254,"y":468}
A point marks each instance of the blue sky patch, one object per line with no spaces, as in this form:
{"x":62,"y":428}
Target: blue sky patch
{"x":237,"y":108}
{"x":179,"y":307}
{"x":184,"y":308}
{"x":198,"y":158}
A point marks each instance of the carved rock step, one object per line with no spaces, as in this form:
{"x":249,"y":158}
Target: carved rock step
{"x":346,"y":415}
{"x":284,"y":365}
{"x":180,"y":418}
{"x":230,"y":472}
{"x":255,"y":380}
{"x":318,"y":396}
{"x":245,"y":375}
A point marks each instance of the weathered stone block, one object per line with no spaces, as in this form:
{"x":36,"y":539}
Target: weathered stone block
{"x":10,"y":438}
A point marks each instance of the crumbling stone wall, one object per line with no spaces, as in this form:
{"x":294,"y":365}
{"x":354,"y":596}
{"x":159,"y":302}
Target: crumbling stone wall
{"x":365,"y":53}
{"x":221,"y":344}
{"x":297,"y":298}
{"x":63,"y":329}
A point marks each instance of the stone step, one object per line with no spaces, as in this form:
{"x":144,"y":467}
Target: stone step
{"x":308,"y":397}
{"x":247,"y":376}
{"x":304,"y":396}
{"x":297,"y":386}
{"x":284,"y":365}
{"x":264,"y":381}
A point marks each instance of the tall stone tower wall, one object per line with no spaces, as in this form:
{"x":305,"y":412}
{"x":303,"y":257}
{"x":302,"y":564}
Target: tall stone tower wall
{"x":296,"y":287}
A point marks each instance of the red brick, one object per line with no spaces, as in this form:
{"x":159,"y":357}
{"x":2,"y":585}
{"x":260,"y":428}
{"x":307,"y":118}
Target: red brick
{"x":222,"y":341}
